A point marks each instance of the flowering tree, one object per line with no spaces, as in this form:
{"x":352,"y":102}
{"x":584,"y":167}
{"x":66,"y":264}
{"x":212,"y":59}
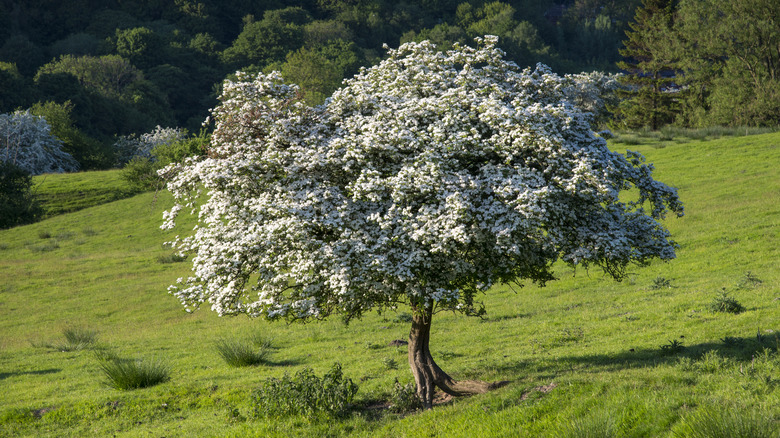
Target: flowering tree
{"x":424,"y":181}
{"x":27,"y":142}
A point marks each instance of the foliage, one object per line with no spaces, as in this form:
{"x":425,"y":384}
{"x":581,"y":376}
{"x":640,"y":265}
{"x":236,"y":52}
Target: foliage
{"x":128,"y":374}
{"x":88,"y":152}
{"x":410,"y":185}
{"x":154,"y":151}
{"x":404,"y":398}
{"x":725,"y":303}
{"x":648,"y":97}
{"x":305,"y":394}
{"x":130,"y":146}
{"x":26,"y":141}
{"x":17,"y":202}
{"x":729,"y":58}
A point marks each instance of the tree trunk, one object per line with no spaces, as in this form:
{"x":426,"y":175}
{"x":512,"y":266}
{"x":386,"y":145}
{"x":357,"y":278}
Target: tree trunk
{"x":427,"y":374}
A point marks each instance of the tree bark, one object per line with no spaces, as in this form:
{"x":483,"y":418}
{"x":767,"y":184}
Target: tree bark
{"x":427,"y":375}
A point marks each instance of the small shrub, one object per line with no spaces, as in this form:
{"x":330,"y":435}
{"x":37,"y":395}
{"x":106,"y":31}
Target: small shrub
{"x":390,"y":363}
{"x":673,"y":347}
{"x":661,"y":283}
{"x":44,"y":234}
{"x":242,"y":353}
{"x":748,"y":281}
{"x":726,"y":423}
{"x":305,"y":394}
{"x":127,"y":374}
{"x":726,"y":303}
{"x":404,"y":398}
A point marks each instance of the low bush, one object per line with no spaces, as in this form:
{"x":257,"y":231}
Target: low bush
{"x":305,"y":394}
{"x":404,"y":398}
{"x":726,"y":303}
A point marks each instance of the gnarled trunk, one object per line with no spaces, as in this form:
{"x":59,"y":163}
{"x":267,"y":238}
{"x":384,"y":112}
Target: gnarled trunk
{"x":427,"y":374}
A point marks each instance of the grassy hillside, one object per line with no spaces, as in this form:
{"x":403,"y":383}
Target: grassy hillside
{"x":585,"y":355}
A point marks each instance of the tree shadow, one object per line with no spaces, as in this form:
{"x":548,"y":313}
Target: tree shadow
{"x":4,"y":376}
{"x":738,"y":349}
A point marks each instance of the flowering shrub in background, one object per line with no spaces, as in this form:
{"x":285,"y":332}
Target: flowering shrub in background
{"x":424,"y":181}
{"x":129,"y":146}
{"x":27,"y":142}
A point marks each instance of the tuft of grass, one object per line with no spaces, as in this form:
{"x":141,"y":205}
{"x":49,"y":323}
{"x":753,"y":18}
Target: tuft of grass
{"x":171,"y":258}
{"x":44,"y":234}
{"x":128,"y":374}
{"x":749,"y":281}
{"x":242,"y":353}
{"x":598,"y":425}
{"x":725,"y":303}
{"x":726,"y":423}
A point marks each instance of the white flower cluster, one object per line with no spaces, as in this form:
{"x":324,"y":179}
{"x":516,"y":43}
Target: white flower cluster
{"x":26,"y":140}
{"x":431,"y":176}
{"x":129,"y":146}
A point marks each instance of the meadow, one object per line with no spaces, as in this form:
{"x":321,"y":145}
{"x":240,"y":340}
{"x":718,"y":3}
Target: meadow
{"x":585,"y":356}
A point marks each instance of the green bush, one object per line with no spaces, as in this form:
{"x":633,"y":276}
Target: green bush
{"x":726,"y":303}
{"x":18,"y":206}
{"x":141,"y":171}
{"x":404,"y":398}
{"x":305,"y":394}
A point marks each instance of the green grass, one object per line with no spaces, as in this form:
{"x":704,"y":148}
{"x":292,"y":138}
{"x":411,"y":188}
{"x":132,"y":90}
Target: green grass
{"x":65,"y":193}
{"x":585,"y":355}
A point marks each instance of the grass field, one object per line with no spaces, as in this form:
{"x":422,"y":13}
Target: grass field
{"x":586,"y":356}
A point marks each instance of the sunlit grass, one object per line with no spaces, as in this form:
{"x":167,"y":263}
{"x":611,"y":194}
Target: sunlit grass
{"x":578,"y":352}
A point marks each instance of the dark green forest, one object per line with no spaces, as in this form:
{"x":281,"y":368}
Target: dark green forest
{"x":99,"y":69}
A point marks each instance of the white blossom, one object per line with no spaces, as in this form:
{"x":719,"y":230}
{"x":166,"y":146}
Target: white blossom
{"x":431,"y":176}
{"x":26,"y":140}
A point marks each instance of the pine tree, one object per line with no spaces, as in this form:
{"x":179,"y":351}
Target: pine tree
{"x":647,"y":98}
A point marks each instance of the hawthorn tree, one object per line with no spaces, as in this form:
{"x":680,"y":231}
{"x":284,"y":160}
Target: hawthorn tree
{"x":422,"y":182}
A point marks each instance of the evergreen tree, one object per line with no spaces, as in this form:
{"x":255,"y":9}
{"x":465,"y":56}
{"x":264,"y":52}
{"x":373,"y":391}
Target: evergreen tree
{"x":647,"y":98}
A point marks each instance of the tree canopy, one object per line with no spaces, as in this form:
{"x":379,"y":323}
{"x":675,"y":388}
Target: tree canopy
{"x":423,"y":181}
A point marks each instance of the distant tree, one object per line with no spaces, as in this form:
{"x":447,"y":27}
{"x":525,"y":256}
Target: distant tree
{"x":18,"y":205}
{"x":88,"y":152}
{"x":16,"y":91}
{"x":141,"y":46}
{"x":108,"y":75}
{"x":423,"y":182}
{"x":26,"y":55}
{"x":730,"y":57}
{"x":27,"y":142}
{"x":268,"y":40}
{"x":647,"y":99}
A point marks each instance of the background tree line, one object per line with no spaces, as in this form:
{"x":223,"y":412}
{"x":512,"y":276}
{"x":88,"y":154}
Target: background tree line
{"x":112,"y":68}
{"x":700,"y":63}
{"x":98,"y":71}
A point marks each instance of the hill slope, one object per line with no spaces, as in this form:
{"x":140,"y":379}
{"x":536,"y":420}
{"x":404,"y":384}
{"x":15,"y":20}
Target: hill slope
{"x":646,"y":357}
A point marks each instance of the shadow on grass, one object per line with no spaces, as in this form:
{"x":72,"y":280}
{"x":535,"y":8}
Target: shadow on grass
{"x":739,"y":349}
{"x":4,"y":376}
